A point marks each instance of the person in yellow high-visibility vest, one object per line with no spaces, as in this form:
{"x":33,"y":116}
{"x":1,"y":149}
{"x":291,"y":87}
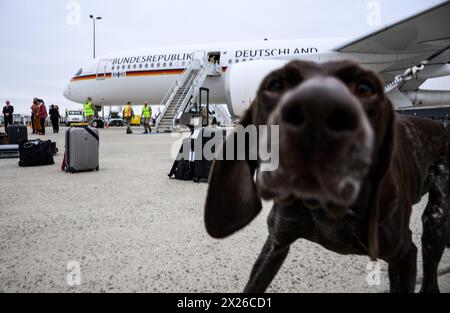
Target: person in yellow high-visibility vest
{"x":89,"y":111}
{"x":128,"y":116}
{"x":147,"y":115}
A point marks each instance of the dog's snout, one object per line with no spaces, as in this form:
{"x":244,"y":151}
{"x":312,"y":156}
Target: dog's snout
{"x":341,"y":120}
{"x":321,"y":104}
{"x":294,"y":115}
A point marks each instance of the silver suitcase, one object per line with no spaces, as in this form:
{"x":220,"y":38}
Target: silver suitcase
{"x":82,"y":149}
{"x":9,"y":151}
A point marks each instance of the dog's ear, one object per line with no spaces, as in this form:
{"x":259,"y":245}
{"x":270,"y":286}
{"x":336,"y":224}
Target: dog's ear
{"x":232,"y":201}
{"x":380,"y":174}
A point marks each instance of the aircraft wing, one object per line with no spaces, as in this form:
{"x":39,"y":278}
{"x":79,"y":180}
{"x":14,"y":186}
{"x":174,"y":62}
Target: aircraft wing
{"x":427,"y":31}
{"x":425,"y":36}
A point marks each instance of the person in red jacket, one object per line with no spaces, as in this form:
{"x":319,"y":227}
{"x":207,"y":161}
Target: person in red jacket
{"x":42,"y":116}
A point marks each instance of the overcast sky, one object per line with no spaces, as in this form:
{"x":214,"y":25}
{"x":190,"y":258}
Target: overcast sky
{"x":42,"y":44}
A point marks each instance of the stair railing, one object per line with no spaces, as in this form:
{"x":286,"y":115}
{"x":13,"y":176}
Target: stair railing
{"x":168,"y":97}
{"x":199,"y":79}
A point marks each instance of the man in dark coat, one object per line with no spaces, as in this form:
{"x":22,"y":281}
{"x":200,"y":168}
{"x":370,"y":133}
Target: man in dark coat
{"x":54,"y":117}
{"x":8,"y":111}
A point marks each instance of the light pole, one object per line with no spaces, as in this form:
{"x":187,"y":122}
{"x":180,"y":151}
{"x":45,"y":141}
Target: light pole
{"x":94,"y":19}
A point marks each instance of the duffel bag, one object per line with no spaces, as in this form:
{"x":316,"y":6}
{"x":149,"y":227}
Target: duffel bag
{"x":36,"y":153}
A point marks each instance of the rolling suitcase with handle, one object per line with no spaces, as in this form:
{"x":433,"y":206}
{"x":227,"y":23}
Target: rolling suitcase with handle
{"x":183,"y":166}
{"x":16,"y":134}
{"x":82,"y":150}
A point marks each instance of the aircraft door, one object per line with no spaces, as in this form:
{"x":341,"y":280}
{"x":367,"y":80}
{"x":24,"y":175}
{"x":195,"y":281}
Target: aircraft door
{"x":214,"y":57}
{"x":101,"y":70}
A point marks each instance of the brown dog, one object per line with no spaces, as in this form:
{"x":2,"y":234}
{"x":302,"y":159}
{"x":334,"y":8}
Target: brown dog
{"x":349,"y":172}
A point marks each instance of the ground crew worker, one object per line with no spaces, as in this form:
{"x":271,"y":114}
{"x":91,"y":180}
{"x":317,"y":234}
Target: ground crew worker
{"x":128,"y":116}
{"x":147,"y":115}
{"x":89,"y":111}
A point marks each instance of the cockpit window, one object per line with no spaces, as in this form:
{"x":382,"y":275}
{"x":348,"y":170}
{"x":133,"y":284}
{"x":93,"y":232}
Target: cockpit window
{"x":79,"y":72}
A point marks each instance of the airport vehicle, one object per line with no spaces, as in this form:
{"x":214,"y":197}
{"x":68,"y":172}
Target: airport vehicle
{"x":17,"y":119}
{"x":98,"y":123}
{"x":74,"y":117}
{"x":404,"y":54}
{"x":116,"y":122}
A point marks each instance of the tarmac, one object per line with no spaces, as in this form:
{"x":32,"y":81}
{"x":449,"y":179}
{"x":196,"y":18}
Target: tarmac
{"x":132,"y":229}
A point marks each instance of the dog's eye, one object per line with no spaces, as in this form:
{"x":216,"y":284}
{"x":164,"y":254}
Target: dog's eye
{"x":275,"y":86}
{"x":364,"y":88}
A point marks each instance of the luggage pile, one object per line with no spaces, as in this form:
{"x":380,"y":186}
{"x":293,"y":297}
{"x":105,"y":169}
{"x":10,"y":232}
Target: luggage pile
{"x":82,"y":149}
{"x":9,"y":143}
{"x":192,"y":164}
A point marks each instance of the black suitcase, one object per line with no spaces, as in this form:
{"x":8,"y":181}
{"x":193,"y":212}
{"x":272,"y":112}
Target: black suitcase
{"x":16,"y":134}
{"x":202,"y":166}
{"x":183,"y":167}
{"x":184,"y":170}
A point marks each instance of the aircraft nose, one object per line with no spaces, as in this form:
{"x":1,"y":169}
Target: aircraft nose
{"x":67,"y":93}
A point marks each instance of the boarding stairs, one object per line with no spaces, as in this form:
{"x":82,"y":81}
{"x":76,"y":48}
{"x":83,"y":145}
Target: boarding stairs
{"x":186,"y":87}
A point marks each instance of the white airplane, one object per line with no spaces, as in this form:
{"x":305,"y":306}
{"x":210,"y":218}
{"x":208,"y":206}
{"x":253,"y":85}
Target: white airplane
{"x":405,"y":55}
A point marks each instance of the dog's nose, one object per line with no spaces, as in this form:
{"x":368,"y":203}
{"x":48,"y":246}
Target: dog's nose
{"x":323,"y":105}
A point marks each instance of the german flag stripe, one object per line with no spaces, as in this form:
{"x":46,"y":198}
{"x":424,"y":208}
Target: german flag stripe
{"x":155,"y":73}
{"x":136,"y":74}
{"x":89,"y":77}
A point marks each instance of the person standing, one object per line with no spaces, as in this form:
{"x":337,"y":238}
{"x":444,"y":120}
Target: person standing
{"x":89,"y":111}
{"x":8,"y":111}
{"x":128,"y":116}
{"x":54,"y":117}
{"x":147,"y":115}
{"x":42,"y":116}
{"x":32,"y":117}
{"x":35,"y":113}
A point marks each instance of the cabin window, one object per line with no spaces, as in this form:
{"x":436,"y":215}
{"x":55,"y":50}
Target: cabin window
{"x":170,"y":64}
{"x":129,"y":66}
{"x":134,"y":66}
{"x":123,"y":67}
{"x":237,"y":60}
{"x":243,"y":60}
{"x":140,"y":65}
{"x":146,"y":65}
{"x":230,"y":61}
{"x":158,"y":65}
{"x":153,"y":65}
{"x":183,"y":64}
